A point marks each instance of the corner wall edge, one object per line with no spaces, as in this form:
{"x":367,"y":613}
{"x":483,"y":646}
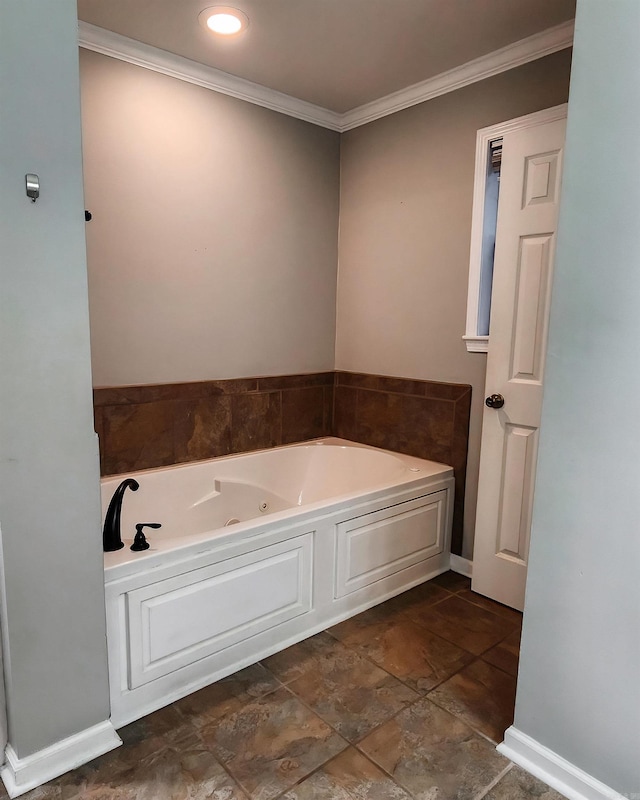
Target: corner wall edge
{"x":463,"y":566}
{"x":20,"y":775}
{"x":549,"y":767}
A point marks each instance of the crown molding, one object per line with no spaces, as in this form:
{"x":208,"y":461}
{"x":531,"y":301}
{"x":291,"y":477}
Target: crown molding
{"x":514,"y":55}
{"x":100,"y":40}
{"x":91,"y":37}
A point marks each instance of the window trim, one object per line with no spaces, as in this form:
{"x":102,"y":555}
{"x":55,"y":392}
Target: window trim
{"x":473,"y":341}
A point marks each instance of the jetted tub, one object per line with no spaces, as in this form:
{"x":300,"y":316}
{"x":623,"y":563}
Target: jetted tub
{"x":258,"y":551}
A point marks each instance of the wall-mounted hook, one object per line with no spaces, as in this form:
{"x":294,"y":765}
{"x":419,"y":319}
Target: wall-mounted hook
{"x":87,"y":216}
{"x":33,"y":186}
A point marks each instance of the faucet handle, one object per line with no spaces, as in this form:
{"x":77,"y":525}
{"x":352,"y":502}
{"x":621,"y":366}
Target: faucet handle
{"x":140,"y":542}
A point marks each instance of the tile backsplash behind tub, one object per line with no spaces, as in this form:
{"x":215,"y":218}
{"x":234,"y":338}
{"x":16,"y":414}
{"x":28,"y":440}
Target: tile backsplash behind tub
{"x":151,"y":426}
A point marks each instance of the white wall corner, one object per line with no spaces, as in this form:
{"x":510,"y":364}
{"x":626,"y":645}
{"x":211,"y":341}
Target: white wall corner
{"x":563,"y":776}
{"x":20,"y":775}
{"x":463,"y":566}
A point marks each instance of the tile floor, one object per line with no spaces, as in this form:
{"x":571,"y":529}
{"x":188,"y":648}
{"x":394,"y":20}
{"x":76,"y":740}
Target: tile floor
{"x":405,"y":701}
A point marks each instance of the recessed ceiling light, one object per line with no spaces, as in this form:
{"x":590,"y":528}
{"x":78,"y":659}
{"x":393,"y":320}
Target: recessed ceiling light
{"x":224,"y":20}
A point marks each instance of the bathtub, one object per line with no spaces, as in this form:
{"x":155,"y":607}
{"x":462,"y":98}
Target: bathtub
{"x":259,"y":551}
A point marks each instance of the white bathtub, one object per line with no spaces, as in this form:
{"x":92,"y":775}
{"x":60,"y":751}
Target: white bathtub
{"x":258,"y":551}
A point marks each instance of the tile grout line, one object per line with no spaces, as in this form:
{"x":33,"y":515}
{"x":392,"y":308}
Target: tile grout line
{"x":494,"y":782}
{"x":464,"y":721}
{"x":329,"y":725}
{"x":355,"y":651}
{"x":404,"y":682}
{"x":477,"y":655}
{"x":219,"y":761}
{"x":386,"y":671}
{"x":355,"y":744}
{"x":305,"y":777}
{"x":495,"y":666}
{"x":253,"y":698}
{"x":479,"y":605}
{"x":313,"y":772}
{"x":500,"y":641}
{"x":404,"y":394}
{"x":245,"y":790}
{"x":334,"y":729}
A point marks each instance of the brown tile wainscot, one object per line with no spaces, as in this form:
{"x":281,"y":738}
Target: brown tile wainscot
{"x":151,"y":426}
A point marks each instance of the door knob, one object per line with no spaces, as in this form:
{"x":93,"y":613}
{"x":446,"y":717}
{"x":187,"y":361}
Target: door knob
{"x":494,"y":401}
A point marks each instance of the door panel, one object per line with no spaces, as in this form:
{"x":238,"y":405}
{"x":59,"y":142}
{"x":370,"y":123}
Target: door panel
{"x":520,"y":445}
{"x":523,"y":271}
{"x":531,"y":308}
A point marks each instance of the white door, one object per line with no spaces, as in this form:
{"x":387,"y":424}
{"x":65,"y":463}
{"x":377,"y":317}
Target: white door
{"x":525,"y":243}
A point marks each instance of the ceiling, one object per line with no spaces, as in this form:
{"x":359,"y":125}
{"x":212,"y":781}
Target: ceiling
{"x":337,"y":54}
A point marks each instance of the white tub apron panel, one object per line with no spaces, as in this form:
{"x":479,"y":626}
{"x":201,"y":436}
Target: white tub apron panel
{"x":376,"y":545}
{"x":179,"y":620}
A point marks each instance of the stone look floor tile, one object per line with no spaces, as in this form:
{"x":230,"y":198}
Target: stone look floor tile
{"x":452,"y":581}
{"x":349,"y":776}
{"x":506,"y":654}
{"x":115,"y":790}
{"x":491,"y":605}
{"x":249,"y":738}
{"x":188,"y":773}
{"x":357,"y":628}
{"x":519,"y":785}
{"x":423,"y":595}
{"x":432,"y":754}
{"x":347,"y":691}
{"x":300,"y":659}
{"x":122,"y":767}
{"x":50,"y":791}
{"x":185,"y":771}
{"x":464,"y":624}
{"x":482,"y":695}
{"x":272,"y":743}
{"x":227,"y":695}
{"x":145,"y":736}
{"x":412,"y":653}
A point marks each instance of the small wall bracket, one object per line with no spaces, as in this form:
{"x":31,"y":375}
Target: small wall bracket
{"x":33,"y":186}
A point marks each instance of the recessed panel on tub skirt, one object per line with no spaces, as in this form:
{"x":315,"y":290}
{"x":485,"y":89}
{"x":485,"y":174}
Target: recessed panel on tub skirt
{"x":374,"y":546}
{"x":177,"y":621}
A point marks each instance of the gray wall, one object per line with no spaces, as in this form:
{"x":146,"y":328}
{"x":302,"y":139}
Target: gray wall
{"x":213,"y":246}
{"x":405,"y":226}
{"x":214,"y":243}
{"x":3,"y":698}
{"x":578,"y":689}
{"x":53,"y":599}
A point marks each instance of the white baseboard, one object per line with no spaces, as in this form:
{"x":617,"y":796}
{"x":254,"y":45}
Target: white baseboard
{"x":19,"y":775}
{"x":461,"y":565}
{"x":557,"y":772}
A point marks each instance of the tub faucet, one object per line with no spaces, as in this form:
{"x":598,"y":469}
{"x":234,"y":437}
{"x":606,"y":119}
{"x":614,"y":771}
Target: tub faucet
{"x":111,"y":539}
